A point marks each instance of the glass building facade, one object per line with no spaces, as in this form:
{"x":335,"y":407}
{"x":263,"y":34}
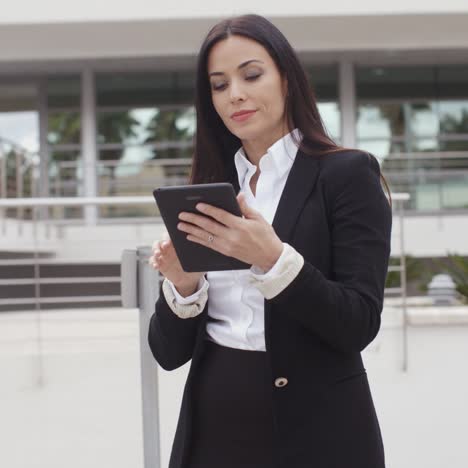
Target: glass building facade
{"x":414,"y":119}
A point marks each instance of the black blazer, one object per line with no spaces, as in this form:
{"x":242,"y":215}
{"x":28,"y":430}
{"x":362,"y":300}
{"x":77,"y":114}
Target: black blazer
{"x":334,"y":212}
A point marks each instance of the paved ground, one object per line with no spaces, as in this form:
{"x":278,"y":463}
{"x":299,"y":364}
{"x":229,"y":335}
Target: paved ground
{"x":73,"y":398}
{"x":78,"y":406}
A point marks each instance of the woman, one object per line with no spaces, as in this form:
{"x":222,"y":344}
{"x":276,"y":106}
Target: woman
{"x":276,"y":378}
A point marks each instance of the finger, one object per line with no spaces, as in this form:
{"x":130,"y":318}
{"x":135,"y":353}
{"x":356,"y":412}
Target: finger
{"x":166,"y":254}
{"x":153,"y":263}
{"x":164,"y":245}
{"x":213,"y":245}
{"x":205,"y":223}
{"x":193,"y":230}
{"x":220,"y":215}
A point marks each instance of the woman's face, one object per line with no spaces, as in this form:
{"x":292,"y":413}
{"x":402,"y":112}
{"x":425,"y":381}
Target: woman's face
{"x":247,"y":89}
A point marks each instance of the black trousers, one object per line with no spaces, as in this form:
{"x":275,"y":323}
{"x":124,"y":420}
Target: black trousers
{"x":232,"y":410}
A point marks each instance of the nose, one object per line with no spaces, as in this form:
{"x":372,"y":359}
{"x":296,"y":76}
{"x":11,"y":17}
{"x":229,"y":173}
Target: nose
{"x":237,"y":91}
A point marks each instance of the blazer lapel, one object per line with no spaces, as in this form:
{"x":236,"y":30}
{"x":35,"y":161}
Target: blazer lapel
{"x":299,"y":184}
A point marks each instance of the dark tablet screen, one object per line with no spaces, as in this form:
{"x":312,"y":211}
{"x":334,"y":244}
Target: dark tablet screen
{"x":172,"y":200}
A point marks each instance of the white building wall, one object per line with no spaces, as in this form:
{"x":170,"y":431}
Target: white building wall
{"x":53,"y":30}
{"x":57,"y":11}
{"x":424,"y":236}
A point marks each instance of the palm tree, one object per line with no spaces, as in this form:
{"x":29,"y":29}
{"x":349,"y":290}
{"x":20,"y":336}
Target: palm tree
{"x":170,"y":126}
{"x":449,"y":124}
{"x":115,"y":127}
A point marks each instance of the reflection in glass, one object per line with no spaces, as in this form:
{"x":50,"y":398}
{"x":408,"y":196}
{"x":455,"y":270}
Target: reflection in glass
{"x":117,"y":127}
{"x":441,"y":192}
{"x":146,"y":125}
{"x":423,"y":119}
{"x":330,"y":113}
{"x":66,"y":180}
{"x":324,"y":82}
{"x":381,"y":148}
{"x":422,"y":133}
{"x":453,"y":117}
{"x":138,"y":170}
{"x":382,"y":120}
{"x":64,"y":127}
{"x":141,"y":176}
{"x":175,"y":125}
{"x":423,"y":144}
{"x":65,"y":174}
{"x":19,"y":117}
{"x":20,"y":128}
{"x":454,"y":145}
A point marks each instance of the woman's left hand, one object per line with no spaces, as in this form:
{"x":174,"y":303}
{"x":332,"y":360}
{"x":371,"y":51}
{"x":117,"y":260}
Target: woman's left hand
{"x":250,"y":239}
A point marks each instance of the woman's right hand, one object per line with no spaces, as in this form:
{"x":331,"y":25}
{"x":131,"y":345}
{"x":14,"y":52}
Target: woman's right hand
{"x":165,"y":259}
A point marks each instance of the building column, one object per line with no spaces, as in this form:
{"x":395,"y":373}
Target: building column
{"x":348,"y":110}
{"x":43,"y":189}
{"x":88,"y":142}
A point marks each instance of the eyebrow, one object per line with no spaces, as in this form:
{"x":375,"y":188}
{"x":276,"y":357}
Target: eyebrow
{"x":242,"y":65}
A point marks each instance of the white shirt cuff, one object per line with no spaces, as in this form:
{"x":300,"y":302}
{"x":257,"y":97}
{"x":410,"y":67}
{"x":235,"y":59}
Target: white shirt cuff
{"x":186,"y":307}
{"x":280,"y":275}
{"x":202,"y":286}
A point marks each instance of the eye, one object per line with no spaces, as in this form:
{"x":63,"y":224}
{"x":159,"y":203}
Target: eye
{"x":218,"y":86}
{"x":253,"y":76}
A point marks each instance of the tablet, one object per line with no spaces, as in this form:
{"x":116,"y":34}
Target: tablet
{"x":192,"y":256}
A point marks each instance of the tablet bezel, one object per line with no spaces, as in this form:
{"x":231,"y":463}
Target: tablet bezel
{"x":172,"y":200}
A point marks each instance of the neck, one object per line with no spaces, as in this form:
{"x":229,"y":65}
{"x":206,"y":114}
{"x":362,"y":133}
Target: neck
{"x":256,"y":148}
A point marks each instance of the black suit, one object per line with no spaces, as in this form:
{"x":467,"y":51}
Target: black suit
{"x":334,"y":212}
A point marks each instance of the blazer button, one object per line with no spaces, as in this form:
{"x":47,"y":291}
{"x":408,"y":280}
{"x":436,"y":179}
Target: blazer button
{"x":281,"y":382}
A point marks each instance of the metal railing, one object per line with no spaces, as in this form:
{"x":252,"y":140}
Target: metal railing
{"x":139,"y":290}
{"x":19,"y":172}
{"x":35,"y":204}
{"x":68,"y":181}
{"x":436,"y":181}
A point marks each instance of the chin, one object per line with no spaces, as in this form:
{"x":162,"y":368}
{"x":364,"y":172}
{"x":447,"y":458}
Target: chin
{"x":246,"y":133}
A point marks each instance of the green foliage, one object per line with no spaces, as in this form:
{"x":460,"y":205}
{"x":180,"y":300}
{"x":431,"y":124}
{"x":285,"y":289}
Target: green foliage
{"x":420,"y":271}
{"x":64,"y":127}
{"x":416,"y":271}
{"x":457,"y":267}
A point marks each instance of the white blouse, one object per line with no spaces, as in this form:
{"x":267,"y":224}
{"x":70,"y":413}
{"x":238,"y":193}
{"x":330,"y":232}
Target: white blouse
{"x":236,"y":297}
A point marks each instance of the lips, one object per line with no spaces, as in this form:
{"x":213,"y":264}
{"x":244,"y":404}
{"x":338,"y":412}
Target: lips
{"x":242,"y":115}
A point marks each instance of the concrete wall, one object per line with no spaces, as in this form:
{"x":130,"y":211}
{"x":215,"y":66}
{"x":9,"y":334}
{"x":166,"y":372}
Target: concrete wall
{"x":87,"y":410}
{"x":424,"y":236}
{"x":53,"y":30}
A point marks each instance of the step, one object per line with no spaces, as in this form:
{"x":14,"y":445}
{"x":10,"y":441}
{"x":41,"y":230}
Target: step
{"x":58,"y":284}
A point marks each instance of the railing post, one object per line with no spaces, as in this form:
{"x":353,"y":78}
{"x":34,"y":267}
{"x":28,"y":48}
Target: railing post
{"x":3,"y":186}
{"x":88,"y":142}
{"x":403,"y":285}
{"x":140,"y":289}
{"x":19,"y":190}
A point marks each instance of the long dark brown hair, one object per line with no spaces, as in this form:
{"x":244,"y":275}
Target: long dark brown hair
{"x":215,"y":145}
